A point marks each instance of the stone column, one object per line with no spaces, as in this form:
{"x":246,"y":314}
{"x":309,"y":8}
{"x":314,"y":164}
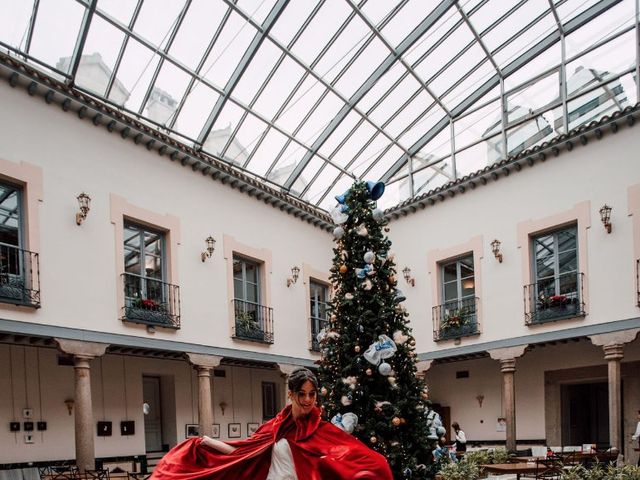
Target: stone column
{"x":507,"y":358}
{"x":204,"y":364}
{"x":613,"y":346}
{"x":83,"y":353}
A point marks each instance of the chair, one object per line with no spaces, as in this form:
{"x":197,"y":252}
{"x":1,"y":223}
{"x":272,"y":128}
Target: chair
{"x":138,"y":476}
{"x":549,"y":468}
{"x":64,"y":472}
{"x":44,"y":471}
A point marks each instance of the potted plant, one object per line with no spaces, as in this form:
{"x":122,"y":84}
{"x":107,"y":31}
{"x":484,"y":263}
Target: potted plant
{"x":148,"y":310}
{"x":247,"y":325}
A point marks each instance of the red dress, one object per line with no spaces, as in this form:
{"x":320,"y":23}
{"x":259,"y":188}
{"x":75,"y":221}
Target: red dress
{"x":320,"y":451}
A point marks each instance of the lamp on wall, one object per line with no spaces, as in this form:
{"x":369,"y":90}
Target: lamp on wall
{"x":406,"y":272}
{"x":480,"y":399}
{"x":495,"y":248}
{"x":69,"y":402}
{"x":605,"y":216}
{"x":84,"y":201}
{"x":223,"y":406}
{"x":211,"y":245}
{"x":295,"y":271}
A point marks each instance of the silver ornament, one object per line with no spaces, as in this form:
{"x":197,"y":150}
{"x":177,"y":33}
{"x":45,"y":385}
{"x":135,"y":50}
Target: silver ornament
{"x":369,"y":256}
{"x":338,"y":232}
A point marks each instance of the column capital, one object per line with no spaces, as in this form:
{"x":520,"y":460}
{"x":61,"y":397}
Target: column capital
{"x":423,"y":366}
{"x":612,"y":338}
{"x":613,"y":351}
{"x":203,"y":361}
{"x":508,"y":352}
{"x":507,"y":365}
{"x":81,"y":349}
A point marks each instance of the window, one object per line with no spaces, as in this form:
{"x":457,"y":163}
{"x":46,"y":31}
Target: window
{"x":253,"y":321}
{"x":557,"y":282}
{"x":18,"y":267}
{"x":148,"y":298}
{"x":269,"y":408}
{"x":319,"y":299}
{"x":456,"y":316}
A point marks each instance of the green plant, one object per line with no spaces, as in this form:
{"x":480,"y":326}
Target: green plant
{"x":498,"y":455}
{"x":601,"y":472}
{"x":455,"y":318}
{"x":463,"y":470}
{"x":246,"y":321}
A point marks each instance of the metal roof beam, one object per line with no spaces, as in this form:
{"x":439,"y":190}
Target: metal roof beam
{"x":547,"y":42}
{"x":427,"y":23}
{"x":32,"y":24}
{"x":251,"y":51}
{"x":82,"y":38}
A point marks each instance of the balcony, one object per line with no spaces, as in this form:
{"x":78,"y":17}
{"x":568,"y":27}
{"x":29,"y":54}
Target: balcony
{"x":253,"y":322}
{"x":317,"y":325}
{"x":554,"y":298}
{"x":455,"y":319}
{"x":150,"y":301}
{"x":19,"y":276}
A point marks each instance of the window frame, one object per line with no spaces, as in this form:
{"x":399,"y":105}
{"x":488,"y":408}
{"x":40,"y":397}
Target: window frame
{"x":556,"y":253}
{"x":258,"y":284}
{"x":163,"y":253}
{"x":459,"y":279}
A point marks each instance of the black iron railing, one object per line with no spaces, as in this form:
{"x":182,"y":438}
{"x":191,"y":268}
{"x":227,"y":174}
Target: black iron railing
{"x":554,"y":298}
{"x":317,"y":324}
{"x":19,"y":276}
{"x":150,"y":301}
{"x":253,"y":321}
{"x":456,"y":319}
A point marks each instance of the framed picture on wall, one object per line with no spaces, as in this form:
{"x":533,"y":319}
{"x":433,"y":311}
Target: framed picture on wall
{"x":191,"y":430}
{"x":215,"y":431}
{"x":251,"y":428}
{"x":235,"y":430}
{"x":104,"y":429}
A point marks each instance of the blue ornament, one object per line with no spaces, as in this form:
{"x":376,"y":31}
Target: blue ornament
{"x":375,"y":189}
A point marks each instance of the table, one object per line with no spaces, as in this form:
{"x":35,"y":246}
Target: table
{"x":511,"y":468}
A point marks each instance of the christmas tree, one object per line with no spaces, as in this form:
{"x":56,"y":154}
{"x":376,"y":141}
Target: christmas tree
{"x":368,"y":366}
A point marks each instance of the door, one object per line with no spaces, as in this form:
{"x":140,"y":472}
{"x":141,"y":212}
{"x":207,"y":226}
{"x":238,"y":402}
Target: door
{"x":152,"y":414}
{"x":585,"y":414}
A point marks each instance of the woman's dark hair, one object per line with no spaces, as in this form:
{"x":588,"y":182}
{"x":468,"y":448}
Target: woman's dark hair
{"x":455,"y":426}
{"x":299,"y":376}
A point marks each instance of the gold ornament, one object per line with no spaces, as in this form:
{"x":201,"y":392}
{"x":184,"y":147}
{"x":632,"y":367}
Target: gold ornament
{"x":373,"y":440}
{"x":356,"y":348}
{"x":343,"y":268}
{"x":323,"y":391}
{"x":402,"y":421}
{"x":412,"y":343}
{"x":392,"y":280}
{"x":369,"y":372}
{"x":395,"y":421}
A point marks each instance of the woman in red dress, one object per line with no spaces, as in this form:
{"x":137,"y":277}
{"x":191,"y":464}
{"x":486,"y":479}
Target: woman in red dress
{"x":295,"y":445}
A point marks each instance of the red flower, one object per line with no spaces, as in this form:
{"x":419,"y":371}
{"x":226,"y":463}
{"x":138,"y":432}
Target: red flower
{"x":148,"y":303}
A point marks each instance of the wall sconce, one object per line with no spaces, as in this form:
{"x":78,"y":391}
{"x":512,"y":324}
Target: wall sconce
{"x":406,"y":272}
{"x":211,"y":245}
{"x":495,"y":248}
{"x":480,"y":399}
{"x":605,"y":216}
{"x":69,"y":402}
{"x":84,"y":201}
{"x":295,"y":271}
{"x":223,"y":406}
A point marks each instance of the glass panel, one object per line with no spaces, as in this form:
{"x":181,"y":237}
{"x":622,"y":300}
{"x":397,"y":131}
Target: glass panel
{"x":376,"y":10}
{"x":373,"y":149}
{"x":100,"y":52}
{"x":132,"y":262}
{"x":545,"y":267}
{"x":56,"y":31}
{"x":195,"y":111}
{"x":489,"y":13}
{"x":251,"y":272}
{"x":257,"y":9}
{"x":267,"y":152}
{"x":320,"y":184}
{"x":292,"y":19}
{"x":547,"y":59}
{"x":252,"y":293}
{"x":384,"y":163}
{"x":223,"y":128}
{"x":405,"y":123}
{"x":257,"y":71}
{"x":300,"y":104}
{"x":153,"y":243}
{"x":571,"y":8}
{"x":477,"y":77}
{"x":466,"y":266}
{"x":397,"y":97}
{"x":234,"y":39}
{"x":343,"y":49}
{"x":439,"y":146}
{"x":320,"y":30}
{"x":599,"y":102}
{"x":343,"y":183}
{"x":245,"y":139}
{"x":279,"y":87}
{"x":121,"y":10}
{"x":132,"y":237}
{"x":341,"y":132}
{"x":191,"y":41}
{"x":479,"y":156}
{"x":362,"y":68}
{"x":462,"y":67}
{"x":544,"y":246}
{"x":287,"y":163}
{"x":406,"y":20}
{"x":320,"y":118}
{"x":459,"y":39}
{"x":238,"y":291}
{"x":450,"y":272}
{"x":530,"y":133}
{"x":157,"y":19}
{"x":429,"y":178}
{"x":534,"y":97}
{"x":153,"y":266}
{"x":135,"y":72}
{"x":385,"y":83}
{"x":14,"y":22}
{"x":350,"y":148}
{"x":9,"y":216}
{"x":450,"y":292}
{"x":478,"y":124}
{"x":567,"y":262}
{"x":237,"y":268}
{"x":567,"y":240}
{"x":468,"y":287}
{"x":163,"y":100}
{"x":568,"y":284}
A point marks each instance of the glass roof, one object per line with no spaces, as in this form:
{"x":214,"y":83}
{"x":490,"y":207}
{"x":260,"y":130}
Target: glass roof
{"x":312,"y":94}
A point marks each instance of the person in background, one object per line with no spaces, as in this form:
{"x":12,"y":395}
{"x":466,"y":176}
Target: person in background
{"x":461,"y":438}
{"x":636,"y":437}
{"x":296,"y":445}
